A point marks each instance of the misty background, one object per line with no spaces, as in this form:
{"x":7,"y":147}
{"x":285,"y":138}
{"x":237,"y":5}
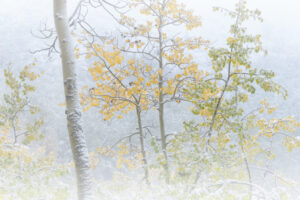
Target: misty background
{"x":280,"y":35}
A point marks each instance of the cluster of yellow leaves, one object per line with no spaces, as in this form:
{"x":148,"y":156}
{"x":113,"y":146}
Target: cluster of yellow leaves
{"x":291,"y":143}
{"x":143,"y":30}
{"x":166,"y":13}
{"x":77,"y":52}
{"x":177,"y":57}
{"x":124,"y":155}
{"x":28,"y":73}
{"x":265,"y":106}
{"x":276,"y":126}
{"x":223,"y":139}
{"x":121,"y":85}
{"x":93,"y":160}
{"x":182,"y":14}
{"x":112,"y":58}
{"x":125,"y":20}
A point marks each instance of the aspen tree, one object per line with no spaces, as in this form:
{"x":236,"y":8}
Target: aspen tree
{"x":73,"y":109}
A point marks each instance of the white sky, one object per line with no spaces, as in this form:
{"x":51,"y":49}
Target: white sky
{"x":284,"y":14}
{"x":18,"y":17}
{"x":279,"y":10}
{"x":280,"y":30}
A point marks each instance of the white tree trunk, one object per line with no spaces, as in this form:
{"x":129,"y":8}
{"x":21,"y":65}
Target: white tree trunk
{"x":73,"y":110}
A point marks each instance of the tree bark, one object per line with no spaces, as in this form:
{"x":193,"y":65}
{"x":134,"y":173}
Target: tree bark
{"x":161,"y":107}
{"x":73,"y":109}
{"x":141,"y":135}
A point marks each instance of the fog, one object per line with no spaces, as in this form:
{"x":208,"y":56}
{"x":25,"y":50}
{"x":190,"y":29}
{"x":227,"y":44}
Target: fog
{"x":20,"y":20}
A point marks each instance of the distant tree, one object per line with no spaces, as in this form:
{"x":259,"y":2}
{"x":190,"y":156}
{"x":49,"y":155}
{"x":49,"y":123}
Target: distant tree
{"x":120,"y":88}
{"x":23,"y":165}
{"x":164,"y":63}
{"x":73,"y":109}
{"x":154,"y":38}
{"x":224,"y":143}
{"x":17,"y":105}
